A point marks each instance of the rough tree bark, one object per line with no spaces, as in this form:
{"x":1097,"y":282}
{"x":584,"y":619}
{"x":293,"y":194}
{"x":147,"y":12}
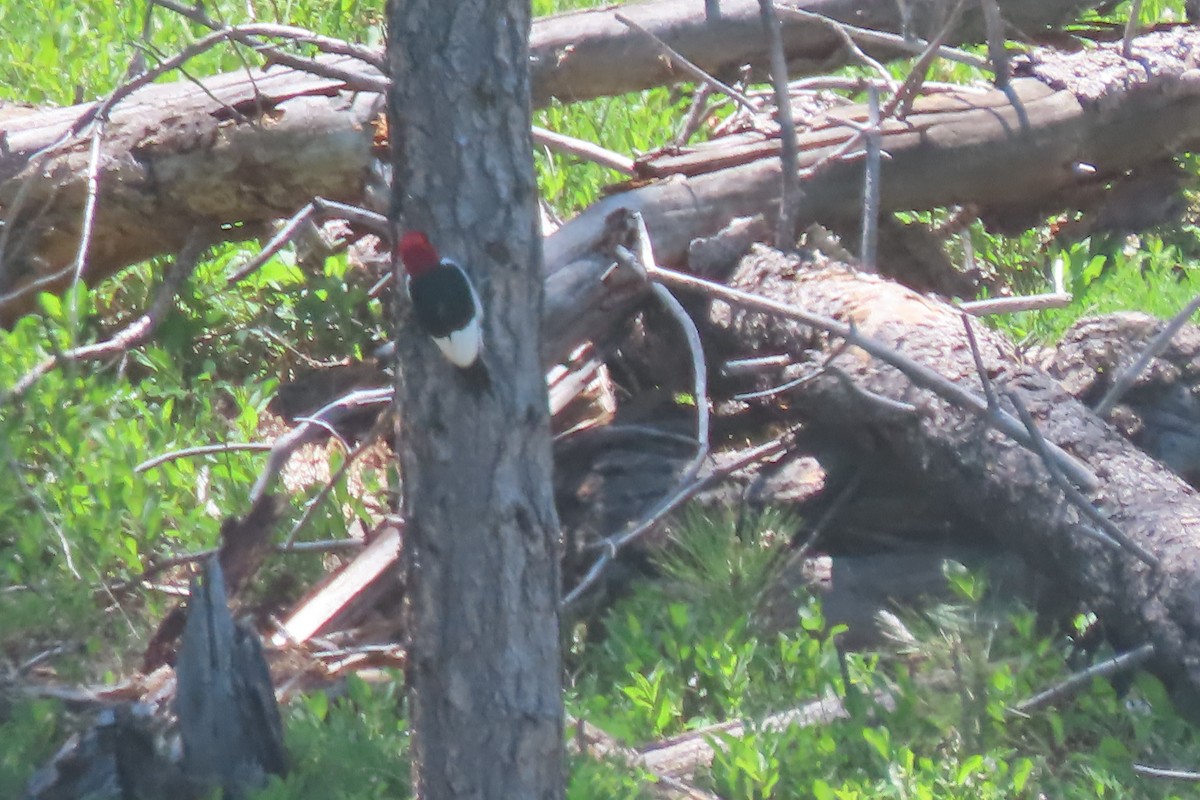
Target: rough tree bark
{"x":1001,"y":486}
{"x":480,"y":547}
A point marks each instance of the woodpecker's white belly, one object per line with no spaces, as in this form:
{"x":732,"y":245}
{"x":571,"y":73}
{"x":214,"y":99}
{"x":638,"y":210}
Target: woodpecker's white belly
{"x":462,"y":346}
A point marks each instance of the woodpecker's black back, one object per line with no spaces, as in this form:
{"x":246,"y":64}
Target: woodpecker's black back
{"x":443,"y":299}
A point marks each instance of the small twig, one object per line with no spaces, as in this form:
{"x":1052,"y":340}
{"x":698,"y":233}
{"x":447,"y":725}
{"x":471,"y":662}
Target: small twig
{"x":859,"y":83}
{"x":322,"y":546}
{"x":840,"y":501}
{"x":1012,"y":305}
{"x":318,"y":209}
{"x":989,"y":391}
{"x":993,"y":24}
{"x":1105,"y":669}
{"x":872,"y":183}
{"x":644,"y":264}
{"x":687,"y":66}
{"x":1131,"y":26}
{"x":921,"y":375}
{"x":311,"y":507}
{"x":588,"y":151}
{"x":802,"y":380}
{"x":45,"y":656}
{"x":247,"y":34}
{"x":302,"y":434}
{"x":36,"y":499}
{"x":132,"y":335}
{"x":742,"y":366}
{"x":87,"y":225}
{"x":1125,"y":380}
{"x":902,"y":100}
{"x":994,"y":27}
{"x":1109,"y":534}
{"x":914,"y":46}
{"x":697,"y":114}
{"x":619,"y":430}
{"x":847,"y":33}
{"x":201,"y":450}
{"x":883,"y":402}
{"x":100,"y":111}
{"x":785,"y":236}
{"x":1171,"y":774}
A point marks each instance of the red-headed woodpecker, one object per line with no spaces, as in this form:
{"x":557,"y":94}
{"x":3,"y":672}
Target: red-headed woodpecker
{"x":443,"y":299}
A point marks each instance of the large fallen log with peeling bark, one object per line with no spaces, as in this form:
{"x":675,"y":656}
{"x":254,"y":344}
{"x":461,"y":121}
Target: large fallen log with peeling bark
{"x":1003,"y":488}
{"x":1092,"y":116}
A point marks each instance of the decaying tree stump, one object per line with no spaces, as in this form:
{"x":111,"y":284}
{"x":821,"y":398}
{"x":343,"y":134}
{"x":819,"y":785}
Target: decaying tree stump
{"x":228,"y":719}
{"x":225,"y":716}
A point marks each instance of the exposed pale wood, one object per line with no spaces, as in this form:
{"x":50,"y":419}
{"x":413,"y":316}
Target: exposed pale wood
{"x":585,"y":54}
{"x":226,"y":158}
{"x":329,"y":599}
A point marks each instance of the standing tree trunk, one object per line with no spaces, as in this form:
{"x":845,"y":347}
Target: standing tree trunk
{"x":481,"y":530}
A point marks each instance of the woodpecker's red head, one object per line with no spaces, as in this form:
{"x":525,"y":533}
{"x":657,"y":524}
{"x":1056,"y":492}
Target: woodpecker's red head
{"x":417,"y":253}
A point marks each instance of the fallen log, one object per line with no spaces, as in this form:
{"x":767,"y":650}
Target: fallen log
{"x":252,"y":147}
{"x":589,"y":53}
{"x":1001,"y":487}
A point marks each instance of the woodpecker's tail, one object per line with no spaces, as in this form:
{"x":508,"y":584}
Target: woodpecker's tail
{"x":476,"y":377}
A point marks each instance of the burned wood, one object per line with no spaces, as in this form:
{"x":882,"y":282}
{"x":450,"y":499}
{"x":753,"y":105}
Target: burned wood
{"x":225,"y":716}
{"x":228,"y":719}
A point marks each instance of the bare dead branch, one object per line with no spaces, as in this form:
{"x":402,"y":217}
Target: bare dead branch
{"x":989,"y":391}
{"x":908,"y":45}
{"x":1105,"y":669}
{"x":1131,"y":26}
{"x":687,"y":66}
{"x":201,"y":450}
{"x":699,"y":111}
{"x":1109,"y":534}
{"x":588,"y":151}
{"x":998,"y":55}
{"x":87,"y":226}
{"x":872,"y":185}
{"x":132,"y":335}
{"x":613,"y":544}
{"x":902,"y":100}
{"x":318,"y":209}
{"x":248,"y":34}
{"x":310,"y":508}
{"x":1011,"y":305}
{"x":1170,"y":774}
{"x":785,"y":236}
{"x":307,"y":431}
{"x":847,"y":34}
